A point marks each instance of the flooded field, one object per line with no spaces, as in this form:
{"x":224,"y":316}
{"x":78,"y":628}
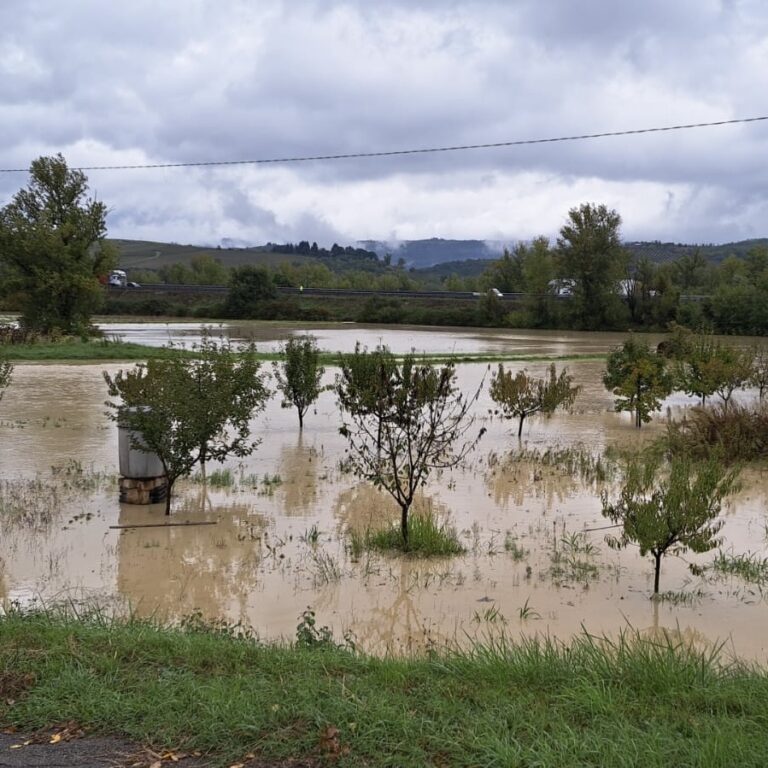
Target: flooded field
{"x":535,"y":562}
{"x":400,"y":339}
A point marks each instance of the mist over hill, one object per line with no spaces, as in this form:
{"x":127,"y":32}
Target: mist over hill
{"x":435,"y":251}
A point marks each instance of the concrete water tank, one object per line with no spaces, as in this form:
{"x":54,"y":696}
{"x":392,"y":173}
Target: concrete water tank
{"x":142,"y":479}
{"x":134,"y":462}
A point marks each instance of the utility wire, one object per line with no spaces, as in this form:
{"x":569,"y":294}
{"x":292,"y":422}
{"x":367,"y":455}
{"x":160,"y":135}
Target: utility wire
{"x":392,"y":153}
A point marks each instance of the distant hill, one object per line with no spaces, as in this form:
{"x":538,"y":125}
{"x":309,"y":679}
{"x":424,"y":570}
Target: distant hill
{"x":432,"y":258}
{"x":421,"y":254}
{"x":146,"y":254}
{"x":659,"y":252}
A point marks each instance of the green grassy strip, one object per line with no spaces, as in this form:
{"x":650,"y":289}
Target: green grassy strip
{"x":84,"y":351}
{"x":101,"y":350}
{"x":536,"y":703}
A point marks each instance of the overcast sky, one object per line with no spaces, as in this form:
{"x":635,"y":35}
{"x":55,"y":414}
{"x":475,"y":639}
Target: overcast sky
{"x":200,"y":80}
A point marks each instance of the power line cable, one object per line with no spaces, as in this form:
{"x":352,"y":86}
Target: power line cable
{"x":395,"y":152}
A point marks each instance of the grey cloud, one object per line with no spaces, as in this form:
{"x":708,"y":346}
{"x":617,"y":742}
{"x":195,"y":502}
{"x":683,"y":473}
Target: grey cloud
{"x":203,"y":80}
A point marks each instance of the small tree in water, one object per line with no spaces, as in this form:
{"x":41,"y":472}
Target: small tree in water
{"x":521,"y":395}
{"x":676,"y":512}
{"x":639,"y":378}
{"x":402,"y":421}
{"x":6,"y":369}
{"x":188,"y":410}
{"x":299,"y":374}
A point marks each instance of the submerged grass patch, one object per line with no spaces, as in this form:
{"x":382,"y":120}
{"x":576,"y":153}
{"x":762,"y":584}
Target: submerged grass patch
{"x":750,"y":567}
{"x":592,"y":703}
{"x":427,"y":537}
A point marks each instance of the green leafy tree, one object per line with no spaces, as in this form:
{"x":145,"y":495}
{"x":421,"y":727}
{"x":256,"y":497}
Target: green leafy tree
{"x":521,"y":395}
{"x":402,"y":420}
{"x":709,"y":367}
{"x":299,"y":374}
{"x":690,"y":270}
{"x":248,"y":287}
{"x":53,"y":248}
{"x":590,"y":253}
{"x":674,"y":510}
{"x":190,"y":410}
{"x":6,"y":370}
{"x":506,"y":273}
{"x":539,"y":270}
{"x":638,"y":377}
{"x":759,"y":377}
{"x":731,"y":369}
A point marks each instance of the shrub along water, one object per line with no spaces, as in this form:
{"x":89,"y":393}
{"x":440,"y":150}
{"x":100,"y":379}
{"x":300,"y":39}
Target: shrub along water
{"x":217,"y":690}
{"x":737,"y":433}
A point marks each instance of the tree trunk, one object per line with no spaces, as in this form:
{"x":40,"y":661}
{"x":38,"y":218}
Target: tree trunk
{"x":168,"y":496}
{"x":404,"y":526}
{"x":301,"y":420}
{"x":520,"y":426}
{"x":657,"y":573}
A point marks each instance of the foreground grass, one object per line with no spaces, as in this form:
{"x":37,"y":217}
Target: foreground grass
{"x":537,"y":703}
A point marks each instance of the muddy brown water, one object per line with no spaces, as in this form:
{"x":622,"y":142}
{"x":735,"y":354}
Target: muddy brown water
{"x":280,"y":539}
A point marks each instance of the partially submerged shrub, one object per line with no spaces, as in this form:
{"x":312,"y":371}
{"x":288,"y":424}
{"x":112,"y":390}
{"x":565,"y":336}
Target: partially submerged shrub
{"x":737,"y":433}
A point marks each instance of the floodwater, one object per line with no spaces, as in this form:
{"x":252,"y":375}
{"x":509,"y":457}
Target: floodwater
{"x":279,"y":538}
{"x":336,"y":337}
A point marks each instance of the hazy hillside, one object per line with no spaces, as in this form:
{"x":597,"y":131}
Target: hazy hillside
{"x":659,"y":252}
{"x":144,"y":254}
{"x":433,"y":258}
{"x":435,"y":251}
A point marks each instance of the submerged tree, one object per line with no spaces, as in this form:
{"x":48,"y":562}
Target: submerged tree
{"x":676,"y":509}
{"x":299,"y":374}
{"x":402,"y":421}
{"x":6,"y":370}
{"x":709,"y":367}
{"x":639,"y":379}
{"x":189,"y":410}
{"x":759,"y":377}
{"x":521,"y":395}
{"x":53,"y":248}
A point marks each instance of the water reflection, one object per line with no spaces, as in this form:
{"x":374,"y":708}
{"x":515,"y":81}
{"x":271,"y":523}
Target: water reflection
{"x":298,"y":471}
{"x":171,"y":572}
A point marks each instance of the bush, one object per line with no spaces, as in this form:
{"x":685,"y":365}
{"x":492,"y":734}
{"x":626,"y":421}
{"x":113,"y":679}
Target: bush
{"x":738,"y":433}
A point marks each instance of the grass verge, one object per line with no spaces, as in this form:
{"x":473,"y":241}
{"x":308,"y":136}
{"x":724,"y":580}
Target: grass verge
{"x":592,"y":703}
{"x":82,"y":351}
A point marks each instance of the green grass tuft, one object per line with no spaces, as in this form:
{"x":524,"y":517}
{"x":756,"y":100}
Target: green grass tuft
{"x":426,"y":538}
{"x":750,"y":567}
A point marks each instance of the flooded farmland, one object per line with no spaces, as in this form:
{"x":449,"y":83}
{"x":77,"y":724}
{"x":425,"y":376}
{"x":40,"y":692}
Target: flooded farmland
{"x":278,"y":541}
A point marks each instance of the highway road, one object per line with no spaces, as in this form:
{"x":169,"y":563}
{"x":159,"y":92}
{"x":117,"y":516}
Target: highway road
{"x":222,"y":290}
{"x":328,"y":292}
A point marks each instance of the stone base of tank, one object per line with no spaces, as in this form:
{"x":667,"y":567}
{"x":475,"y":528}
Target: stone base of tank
{"x":150,"y":490}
